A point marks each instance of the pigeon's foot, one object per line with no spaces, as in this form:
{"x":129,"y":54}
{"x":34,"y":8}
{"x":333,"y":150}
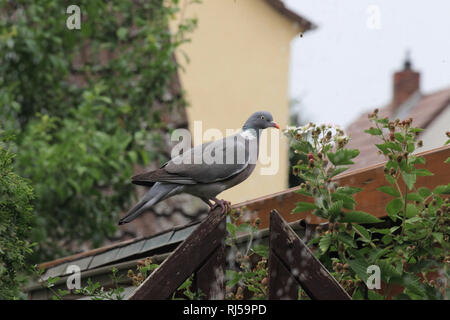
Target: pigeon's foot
{"x":225,"y":205}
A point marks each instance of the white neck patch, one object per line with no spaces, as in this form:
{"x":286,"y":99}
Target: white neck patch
{"x":248,"y":134}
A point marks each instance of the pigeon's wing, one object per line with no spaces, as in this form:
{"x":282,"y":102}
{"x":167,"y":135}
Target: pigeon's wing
{"x":151,"y":177}
{"x":214,"y":161}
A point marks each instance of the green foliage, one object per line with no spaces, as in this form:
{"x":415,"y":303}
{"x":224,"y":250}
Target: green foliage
{"x":248,"y":275}
{"x":93,"y":290}
{"x":16,"y":220}
{"x":409,"y":246}
{"x":85,"y":106}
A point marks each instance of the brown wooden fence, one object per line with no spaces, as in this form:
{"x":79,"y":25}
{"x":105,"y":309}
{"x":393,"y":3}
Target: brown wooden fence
{"x":291,"y":264}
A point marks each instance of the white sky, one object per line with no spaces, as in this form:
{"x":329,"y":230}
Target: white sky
{"x":344,"y":68}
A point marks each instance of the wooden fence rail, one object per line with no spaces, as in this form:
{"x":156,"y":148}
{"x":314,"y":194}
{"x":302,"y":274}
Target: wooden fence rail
{"x":201,"y":254}
{"x":291,"y":264}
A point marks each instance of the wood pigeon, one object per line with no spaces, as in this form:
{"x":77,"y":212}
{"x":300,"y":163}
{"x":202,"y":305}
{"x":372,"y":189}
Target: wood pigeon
{"x":205,"y":170}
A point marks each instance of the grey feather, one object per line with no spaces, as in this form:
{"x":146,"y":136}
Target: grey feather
{"x":205,"y":170}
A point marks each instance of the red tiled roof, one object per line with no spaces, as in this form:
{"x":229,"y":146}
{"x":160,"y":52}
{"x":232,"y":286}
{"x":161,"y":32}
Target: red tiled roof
{"x":423,"y":113}
{"x":281,"y":8}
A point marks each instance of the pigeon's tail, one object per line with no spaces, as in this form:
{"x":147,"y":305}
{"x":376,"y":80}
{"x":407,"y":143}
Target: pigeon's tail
{"x":158,"y":192}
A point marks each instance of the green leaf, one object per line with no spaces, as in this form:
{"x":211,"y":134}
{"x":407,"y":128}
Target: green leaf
{"x":374,"y":131}
{"x":304,"y":206}
{"x":423,"y":172}
{"x":261,"y":250}
{"x":383,"y":147}
{"x":411,"y":210}
{"x":348,"y":201}
{"x":342,"y":156}
{"x":338,"y":171}
{"x":389,"y":190}
{"x":424,"y":192}
{"x":233,"y":277}
{"x":442,"y":189}
{"x":362,"y":231}
{"x":231,"y":228}
{"x":373,"y":295}
{"x":417,"y":160}
{"x":359,"y":217}
{"x":409,"y":179}
{"x":348,"y":240}
{"x":336,"y":207}
{"x":447,"y":160}
{"x":399,"y":136}
{"x":359,"y":266}
{"x":393,"y":207}
{"x":414,"y":197}
{"x":325,"y":242}
{"x":438,"y":236}
{"x":303,"y":192}
{"x":348,"y":190}
{"x":122,"y":33}
{"x":303,"y":146}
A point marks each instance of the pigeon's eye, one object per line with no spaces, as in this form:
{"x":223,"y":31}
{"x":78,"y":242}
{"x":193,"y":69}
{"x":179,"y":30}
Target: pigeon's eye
{"x":262,"y":118}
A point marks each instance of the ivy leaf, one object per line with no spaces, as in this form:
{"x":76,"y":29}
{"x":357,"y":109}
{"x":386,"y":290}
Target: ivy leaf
{"x":389,"y":190}
{"x":359,"y":217}
{"x":304,"y":206}
{"x":409,"y":179}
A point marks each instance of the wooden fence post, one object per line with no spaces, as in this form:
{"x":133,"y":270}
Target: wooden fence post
{"x":291,"y":259}
{"x":199,"y":253}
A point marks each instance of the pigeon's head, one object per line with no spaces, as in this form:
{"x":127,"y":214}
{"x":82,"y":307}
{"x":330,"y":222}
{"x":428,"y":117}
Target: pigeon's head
{"x":260,"y":120}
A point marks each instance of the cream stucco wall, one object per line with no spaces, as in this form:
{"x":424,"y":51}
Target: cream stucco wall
{"x":239,"y":64}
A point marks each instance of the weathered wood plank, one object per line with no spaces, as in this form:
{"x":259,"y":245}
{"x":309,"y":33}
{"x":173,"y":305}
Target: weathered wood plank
{"x":282,"y":285}
{"x":369,"y":200}
{"x":314,"y":278}
{"x":210,"y":278}
{"x":185,"y":260}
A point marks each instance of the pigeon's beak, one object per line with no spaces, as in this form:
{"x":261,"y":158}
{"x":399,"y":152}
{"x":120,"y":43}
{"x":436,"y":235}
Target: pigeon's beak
{"x":275,"y":125}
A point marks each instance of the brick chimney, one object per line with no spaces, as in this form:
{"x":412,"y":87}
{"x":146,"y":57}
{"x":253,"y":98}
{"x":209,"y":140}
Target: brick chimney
{"x":406,"y":83}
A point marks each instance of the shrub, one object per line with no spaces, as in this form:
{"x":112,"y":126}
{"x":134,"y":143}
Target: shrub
{"x":16,"y":219}
{"x":409,"y":246}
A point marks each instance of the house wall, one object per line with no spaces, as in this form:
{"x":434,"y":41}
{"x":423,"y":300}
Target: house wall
{"x":239,"y":64}
{"x":434,"y":135}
